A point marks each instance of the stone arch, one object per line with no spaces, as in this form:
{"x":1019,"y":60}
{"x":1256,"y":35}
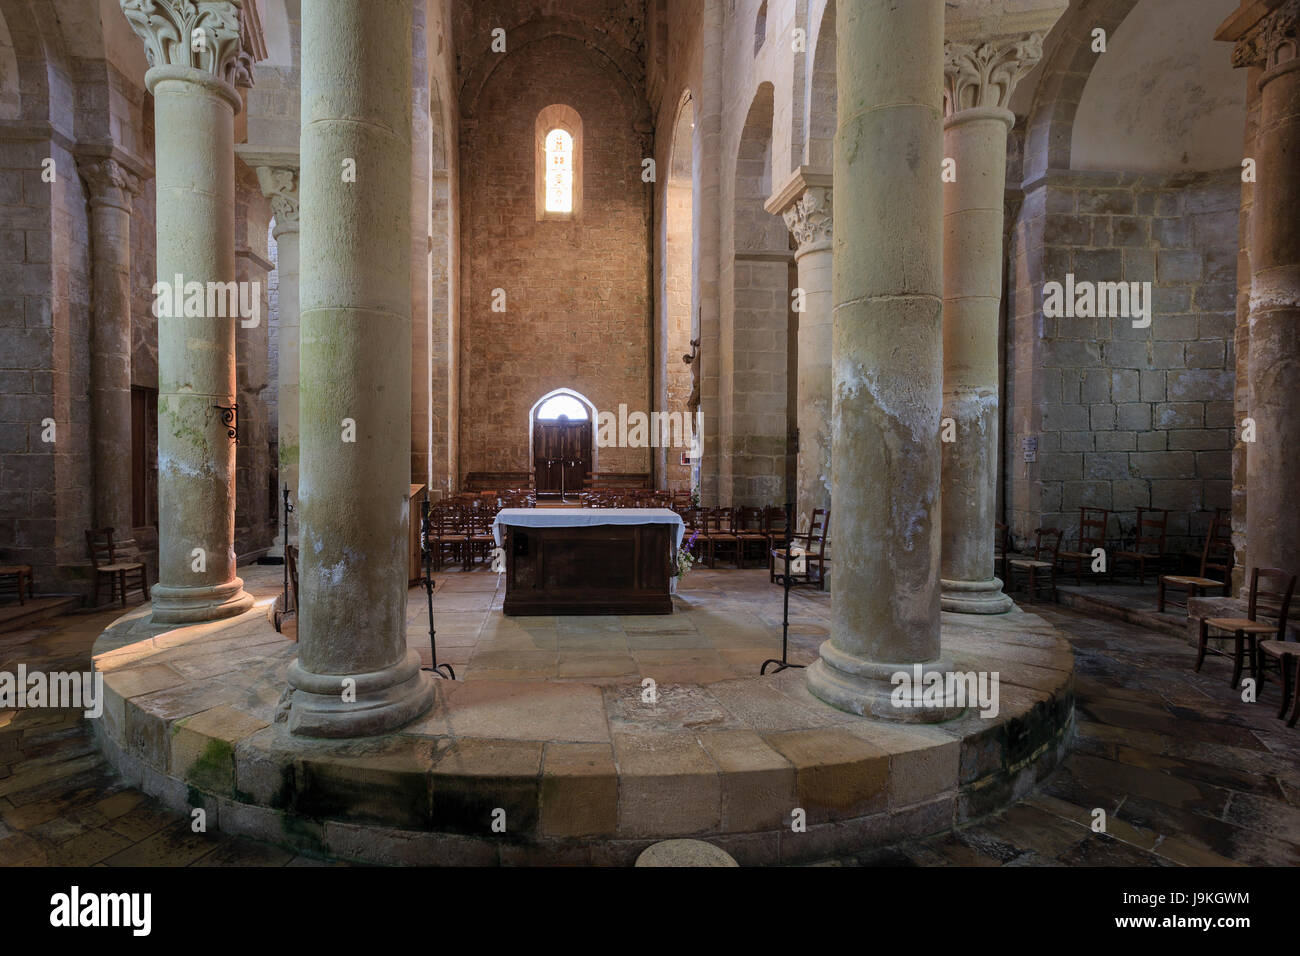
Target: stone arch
{"x":756,"y":322}
{"x":822,"y":96}
{"x":1190,"y":73}
{"x":11,"y":102}
{"x":1062,"y":78}
{"x":616,"y":60}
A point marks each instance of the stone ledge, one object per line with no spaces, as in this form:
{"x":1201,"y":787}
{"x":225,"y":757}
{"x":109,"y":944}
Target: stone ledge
{"x":583,"y":774}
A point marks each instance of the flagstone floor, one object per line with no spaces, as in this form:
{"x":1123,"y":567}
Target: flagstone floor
{"x":1186,"y":773}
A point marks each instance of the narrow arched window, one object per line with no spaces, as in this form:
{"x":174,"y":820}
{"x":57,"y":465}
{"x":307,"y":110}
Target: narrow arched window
{"x":559,"y":171}
{"x":559,"y":163}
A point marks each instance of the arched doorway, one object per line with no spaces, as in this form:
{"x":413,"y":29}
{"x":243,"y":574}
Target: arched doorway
{"x":560,"y":442}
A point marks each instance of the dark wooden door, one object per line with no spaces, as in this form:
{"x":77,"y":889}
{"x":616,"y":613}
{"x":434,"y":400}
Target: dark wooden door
{"x":561,"y":455}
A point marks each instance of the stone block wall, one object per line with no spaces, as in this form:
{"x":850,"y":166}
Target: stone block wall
{"x":1123,"y":416}
{"x":577,"y":292}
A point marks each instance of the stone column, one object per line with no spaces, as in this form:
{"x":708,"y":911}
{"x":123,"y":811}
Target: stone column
{"x":355,"y":410}
{"x":887,"y":368}
{"x":277,"y":174}
{"x":111,"y":186}
{"x":195,"y":101}
{"x":1272,"y":44}
{"x":805,"y":203}
{"x":978,"y":81}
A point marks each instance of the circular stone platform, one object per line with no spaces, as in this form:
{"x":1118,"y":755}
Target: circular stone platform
{"x":549,"y":733}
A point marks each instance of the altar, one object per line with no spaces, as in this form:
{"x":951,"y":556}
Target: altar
{"x":588,"y":560}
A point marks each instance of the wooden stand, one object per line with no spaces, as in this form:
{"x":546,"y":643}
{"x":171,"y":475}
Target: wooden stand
{"x":414,"y":573}
{"x":601,"y":569}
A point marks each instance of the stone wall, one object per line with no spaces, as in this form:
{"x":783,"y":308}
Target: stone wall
{"x":1123,"y":416}
{"x":577,"y":307}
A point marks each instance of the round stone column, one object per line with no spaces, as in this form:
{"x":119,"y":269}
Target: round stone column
{"x":978,"y":81}
{"x":354,"y":674}
{"x":111,"y":186}
{"x":277,"y":174}
{"x":887,"y":371}
{"x":805,"y":202}
{"x":1273,"y":527}
{"x":194,"y":113}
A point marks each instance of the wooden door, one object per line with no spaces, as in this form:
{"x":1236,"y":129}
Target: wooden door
{"x":561,"y":455}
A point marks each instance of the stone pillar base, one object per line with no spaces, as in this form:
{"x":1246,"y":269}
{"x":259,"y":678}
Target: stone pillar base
{"x":869,"y":688}
{"x":974,"y":597}
{"x":194,"y":605}
{"x":382,"y":700}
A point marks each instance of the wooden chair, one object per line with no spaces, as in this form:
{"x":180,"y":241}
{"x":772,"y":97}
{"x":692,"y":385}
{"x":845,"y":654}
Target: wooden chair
{"x":19,"y":577}
{"x":1092,"y":534}
{"x":1270,"y":593}
{"x":121,"y":575}
{"x":447,"y":536}
{"x":720,"y":533}
{"x":1287,"y":655}
{"x":774,"y":519}
{"x":1047,"y":547}
{"x":1217,"y":555}
{"x":813,"y":543}
{"x":1149,"y":545}
{"x":749,"y":527}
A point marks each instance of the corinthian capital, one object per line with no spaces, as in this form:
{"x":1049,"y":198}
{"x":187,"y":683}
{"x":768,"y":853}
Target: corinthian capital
{"x":985,"y":73}
{"x":809,"y":217}
{"x":204,"y":35}
{"x":1274,"y":40}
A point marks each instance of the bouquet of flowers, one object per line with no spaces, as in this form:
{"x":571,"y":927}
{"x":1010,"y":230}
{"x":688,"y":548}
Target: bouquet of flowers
{"x":683,"y":560}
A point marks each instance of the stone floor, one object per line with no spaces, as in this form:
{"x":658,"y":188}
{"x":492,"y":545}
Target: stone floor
{"x":1186,"y":772}
{"x":718,"y":631}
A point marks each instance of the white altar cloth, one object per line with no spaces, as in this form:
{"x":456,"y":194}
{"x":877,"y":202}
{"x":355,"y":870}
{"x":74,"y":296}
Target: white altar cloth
{"x":583,"y":518}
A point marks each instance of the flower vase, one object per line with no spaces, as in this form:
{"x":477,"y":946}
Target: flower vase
{"x":672,"y":583}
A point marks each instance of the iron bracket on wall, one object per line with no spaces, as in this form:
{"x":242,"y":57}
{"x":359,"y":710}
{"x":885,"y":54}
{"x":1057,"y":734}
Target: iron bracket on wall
{"x":230,"y":418}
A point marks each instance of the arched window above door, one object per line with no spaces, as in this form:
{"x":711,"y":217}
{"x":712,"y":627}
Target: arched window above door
{"x":562,"y":406}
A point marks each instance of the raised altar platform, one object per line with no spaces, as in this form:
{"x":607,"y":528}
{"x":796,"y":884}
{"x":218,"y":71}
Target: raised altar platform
{"x":551,"y":725}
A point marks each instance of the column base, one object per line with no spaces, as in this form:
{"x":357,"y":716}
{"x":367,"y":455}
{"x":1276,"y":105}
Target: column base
{"x":384,"y":700}
{"x":873,"y":689}
{"x":974,"y":597}
{"x":196,"y":605}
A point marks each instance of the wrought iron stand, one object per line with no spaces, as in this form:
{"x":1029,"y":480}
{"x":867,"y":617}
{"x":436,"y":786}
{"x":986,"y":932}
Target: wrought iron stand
{"x":783,"y":663}
{"x":442,"y":670}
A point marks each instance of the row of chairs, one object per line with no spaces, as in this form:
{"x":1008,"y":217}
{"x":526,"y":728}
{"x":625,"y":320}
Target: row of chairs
{"x":1148,"y":554}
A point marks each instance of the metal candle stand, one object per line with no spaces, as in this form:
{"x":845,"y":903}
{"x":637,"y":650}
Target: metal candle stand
{"x":284,"y":601}
{"x":442,"y":670}
{"x":782,"y":663}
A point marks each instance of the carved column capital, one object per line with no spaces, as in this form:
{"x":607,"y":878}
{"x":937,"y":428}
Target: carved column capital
{"x":280,"y":185}
{"x":804,"y":202}
{"x":984,"y":74}
{"x":110,"y":183}
{"x":205,"y":35}
{"x":1273,"y":41}
{"x":809,"y":218}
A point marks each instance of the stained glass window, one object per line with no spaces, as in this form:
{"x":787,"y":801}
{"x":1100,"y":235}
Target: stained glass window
{"x":559,"y":171}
